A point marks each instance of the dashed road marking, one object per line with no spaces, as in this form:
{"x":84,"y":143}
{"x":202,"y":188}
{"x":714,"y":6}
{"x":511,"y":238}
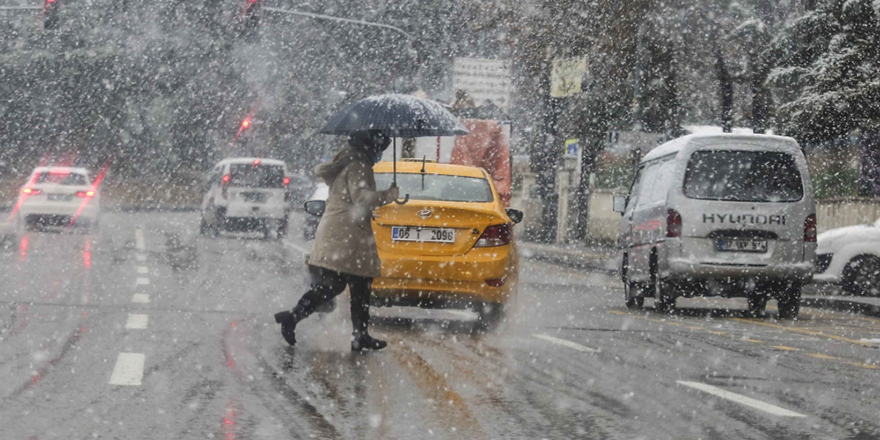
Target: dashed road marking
{"x":142,"y":281}
{"x":129,"y":369}
{"x":806,"y":332}
{"x":139,"y":242}
{"x":742,"y":400}
{"x":141,"y":257}
{"x":820,"y":356}
{"x":140,"y":298}
{"x":566,"y":343}
{"x":143,"y":270}
{"x":784,"y":348}
{"x":137,"y":322}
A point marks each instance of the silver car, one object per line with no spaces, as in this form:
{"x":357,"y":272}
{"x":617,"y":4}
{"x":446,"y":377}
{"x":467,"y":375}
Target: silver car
{"x":719,"y":215}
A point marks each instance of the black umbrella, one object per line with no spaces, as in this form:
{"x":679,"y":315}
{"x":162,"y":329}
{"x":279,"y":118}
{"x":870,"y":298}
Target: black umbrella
{"x":397,"y":116}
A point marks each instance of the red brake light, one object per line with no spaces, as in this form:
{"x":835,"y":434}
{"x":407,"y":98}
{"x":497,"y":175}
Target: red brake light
{"x":32,"y":191}
{"x":286,"y":181}
{"x":256,"y":162}
{"x":673,"y":224}
{"x":85,"y":193}
{"x":226,"y":179}
{"x":495,"y":235}
{"x":810,"y":228}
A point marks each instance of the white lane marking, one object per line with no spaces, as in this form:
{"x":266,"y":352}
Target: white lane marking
{"x":137,"y":322}
{"x":143,"y":270}
{"x":139,"y":239}
{"x":743,"y":400}
{"x":566,"y":343}
{"x":141,"y":298}
{"x":143,"y":281}
{"x":141,"y":257}
{"x":297,"y":247}
{"x":129,"y":369}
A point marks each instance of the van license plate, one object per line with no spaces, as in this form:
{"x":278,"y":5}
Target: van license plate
{"x":254,"y":197}
{"x":742,"y":245}
{"x":432,"y":235}
{"x":59,"y":197}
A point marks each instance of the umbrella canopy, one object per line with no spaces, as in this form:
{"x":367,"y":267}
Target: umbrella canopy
{"x":395,"y":115}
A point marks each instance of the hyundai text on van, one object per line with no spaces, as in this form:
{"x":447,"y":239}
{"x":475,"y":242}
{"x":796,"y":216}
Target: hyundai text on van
{"x":719,"y":215}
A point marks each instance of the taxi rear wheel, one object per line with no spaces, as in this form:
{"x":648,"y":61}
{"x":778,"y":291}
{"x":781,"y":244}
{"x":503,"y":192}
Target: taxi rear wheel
{"x":490,"y":315}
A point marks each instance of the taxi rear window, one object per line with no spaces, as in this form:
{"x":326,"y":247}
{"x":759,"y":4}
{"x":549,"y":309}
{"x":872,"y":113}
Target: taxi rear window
{"x":743,"y":176}
{"x":256,"y":176}
{"x":439,"y":187}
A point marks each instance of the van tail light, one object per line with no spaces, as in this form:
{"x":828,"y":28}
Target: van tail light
{"x":286,"y":181}
{"x":495,"y":235}
{"x":225,"y":181}
{"x":810,"y":229}
{"x":85,"y":194}
{"x":673,"y":224}
{"x":31,"y":191}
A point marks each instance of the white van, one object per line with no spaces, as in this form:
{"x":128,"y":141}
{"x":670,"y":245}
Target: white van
{"x":247,"y":194}
{"x":719,"y":215}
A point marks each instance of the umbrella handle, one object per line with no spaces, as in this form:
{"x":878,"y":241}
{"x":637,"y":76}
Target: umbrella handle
{"x":405,"y":199}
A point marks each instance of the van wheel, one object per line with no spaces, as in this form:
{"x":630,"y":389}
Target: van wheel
{"x":757,"y":305}
{"x":664,"y":300}
{"x":789,"y":301}
{"x":861,"y":276}
{"x":632,"y":295}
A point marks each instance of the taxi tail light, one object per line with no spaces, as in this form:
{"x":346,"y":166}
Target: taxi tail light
{"x":495,"y":235}
{"x":495,"y":283}
{"x":32,"y":191}
{"x":810,"y":228}
{"x":85,"y":193}
{"x":673,"y":224}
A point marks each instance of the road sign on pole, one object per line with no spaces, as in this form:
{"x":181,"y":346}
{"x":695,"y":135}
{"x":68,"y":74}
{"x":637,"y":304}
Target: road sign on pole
{"x":566,"y":76}
{"x":484,"y":80}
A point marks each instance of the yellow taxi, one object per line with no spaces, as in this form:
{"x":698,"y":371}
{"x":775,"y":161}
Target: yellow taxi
{"x":450,"y":246}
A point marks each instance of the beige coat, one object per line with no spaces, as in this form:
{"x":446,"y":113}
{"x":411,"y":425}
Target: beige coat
{"x":344,"y":241}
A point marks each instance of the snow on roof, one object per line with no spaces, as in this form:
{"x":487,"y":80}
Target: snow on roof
{"x":716,"y":129}
{"x":698,"y":140}
{"x":238,"y":160}
{"x":61,"y":170}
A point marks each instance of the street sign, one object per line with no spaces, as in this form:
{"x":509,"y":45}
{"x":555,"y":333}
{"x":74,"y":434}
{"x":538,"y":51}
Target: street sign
{"x":566,"y":76}
{"x":571,"y":148}
{"x":484,"y":80}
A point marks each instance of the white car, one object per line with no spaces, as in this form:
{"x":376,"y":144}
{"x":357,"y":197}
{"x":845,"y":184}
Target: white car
{"x":850,"y":256}
{"x":59,"y":196}
{"x":247,"y":194}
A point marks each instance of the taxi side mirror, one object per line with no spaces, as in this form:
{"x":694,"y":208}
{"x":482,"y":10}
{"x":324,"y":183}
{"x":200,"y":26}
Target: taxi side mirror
{"x":515,"y":215}
{"x":315,"y":207}
{"x":619,"y":204}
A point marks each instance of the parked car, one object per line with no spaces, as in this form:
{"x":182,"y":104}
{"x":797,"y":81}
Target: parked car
{"x":59,"y":197}
{"x":719,"y":215}
{"x":450,"y":246}
{"x":247,"y":194}
{"x":850,"y":257}
{"x":310,"y":221}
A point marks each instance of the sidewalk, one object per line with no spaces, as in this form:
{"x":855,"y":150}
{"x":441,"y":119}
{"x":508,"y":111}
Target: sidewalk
{"x":573,"y":255}
{"x":862,"y":305}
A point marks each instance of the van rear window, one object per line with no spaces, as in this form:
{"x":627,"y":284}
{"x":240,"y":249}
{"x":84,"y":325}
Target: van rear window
{"x":743,"y":176}
{"x":256,"y":176}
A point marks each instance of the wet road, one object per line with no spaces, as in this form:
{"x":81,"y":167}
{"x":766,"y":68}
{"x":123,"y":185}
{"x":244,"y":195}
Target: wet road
{"x":146,"y":331}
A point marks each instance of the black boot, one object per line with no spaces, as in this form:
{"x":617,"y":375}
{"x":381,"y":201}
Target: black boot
{"x":365,"y":342}
{"x":288,"y":326}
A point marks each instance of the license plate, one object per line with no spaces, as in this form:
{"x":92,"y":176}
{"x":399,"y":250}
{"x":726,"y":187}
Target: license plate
{"x":742,"y":245}
{"x":431,"y":235}
{"x":58,"y":197}
{"x":254,"y":197}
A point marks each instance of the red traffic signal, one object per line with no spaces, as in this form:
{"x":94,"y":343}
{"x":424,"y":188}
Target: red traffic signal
{"x":245,"y":124}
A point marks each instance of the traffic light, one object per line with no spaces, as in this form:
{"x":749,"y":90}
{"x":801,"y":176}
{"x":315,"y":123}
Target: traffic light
{"x":249,"y":20}
{"x":50,"y":14}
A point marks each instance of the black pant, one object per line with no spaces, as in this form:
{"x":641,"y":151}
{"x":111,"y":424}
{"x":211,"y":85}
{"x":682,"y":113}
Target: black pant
{"x":327,"y":284}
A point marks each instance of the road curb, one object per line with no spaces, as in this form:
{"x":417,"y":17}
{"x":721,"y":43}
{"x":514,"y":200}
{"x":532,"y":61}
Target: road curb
{"x":842,"y":305}
{"x":597,"y":260}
